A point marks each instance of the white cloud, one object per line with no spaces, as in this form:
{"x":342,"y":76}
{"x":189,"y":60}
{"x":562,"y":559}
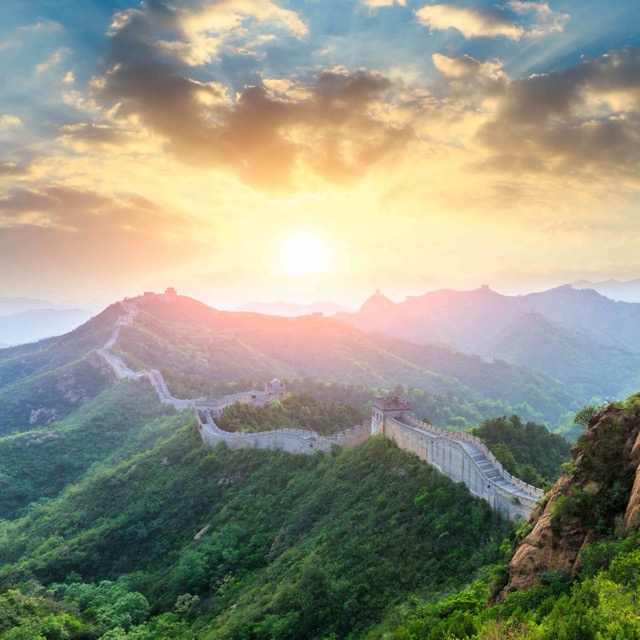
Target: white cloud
{"x":471,"y":23}
{"x":8,"y":121}
{"x":374,"y":5}
{"x":55,"y":58}
{"x":546,"y":20}
{"x":537,"y":17}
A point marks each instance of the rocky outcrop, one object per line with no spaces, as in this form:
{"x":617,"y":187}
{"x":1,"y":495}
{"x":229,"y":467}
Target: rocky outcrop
{"x":602,"y":487}
{"x":551,"y":545}
{"x":632,"y":514}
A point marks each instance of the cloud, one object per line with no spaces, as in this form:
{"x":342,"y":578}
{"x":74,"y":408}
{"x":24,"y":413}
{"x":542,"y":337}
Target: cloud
{"x":494,"y":22}
{"x":113,"y":237}
{"x":83,"y":136}
{"x":197,"y":31}
{"x":545,"y":20}
{"x":469,"y":80}
{"x":11,"y":169}
{"x":331,"y":126}
{"x":85,"y":211}
{"x":9,"y":121}
{"x":47,"y":207}
{"x":374,"y":5}
{"x":585,"y":118}
{"x":56,"y":58}
{"x":471,"y":23}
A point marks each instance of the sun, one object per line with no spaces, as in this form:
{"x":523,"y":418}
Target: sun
{"x":304,"y":252}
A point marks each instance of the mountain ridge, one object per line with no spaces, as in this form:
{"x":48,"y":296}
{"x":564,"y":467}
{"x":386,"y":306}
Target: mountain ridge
{"x":574,"y":327}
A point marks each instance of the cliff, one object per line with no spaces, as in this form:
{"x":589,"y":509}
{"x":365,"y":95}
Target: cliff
{"x":599,"y":493}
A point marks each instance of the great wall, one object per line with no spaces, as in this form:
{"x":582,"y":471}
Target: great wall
{"x":456,"y":454}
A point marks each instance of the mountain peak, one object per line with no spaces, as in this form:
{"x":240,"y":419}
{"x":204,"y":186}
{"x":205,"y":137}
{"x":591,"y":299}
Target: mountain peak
{"x":376,"y":303}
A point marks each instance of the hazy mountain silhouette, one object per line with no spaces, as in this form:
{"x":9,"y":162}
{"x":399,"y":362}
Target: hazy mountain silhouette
{"x":578,"y":336}
{"x":36,"y":324}
{"x":628,"y":291}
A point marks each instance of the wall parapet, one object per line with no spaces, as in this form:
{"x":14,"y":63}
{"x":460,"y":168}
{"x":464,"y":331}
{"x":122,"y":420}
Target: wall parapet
{"x":471,"y":439}
{"x":286,"y":439}
{"x":464,"y":458}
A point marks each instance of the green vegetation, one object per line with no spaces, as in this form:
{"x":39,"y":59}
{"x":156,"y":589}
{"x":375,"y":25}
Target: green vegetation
{"x":603,"y":473}
{"x":50,"y":396}
{"x":527,"y":450}
{"x":296,"y":411}
{"x":601,"y":606}
{"x":288,"y":546}
{"x":39,"y":464}
{"x":48,"y":380}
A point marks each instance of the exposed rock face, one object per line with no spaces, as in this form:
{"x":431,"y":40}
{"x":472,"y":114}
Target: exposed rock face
{"x":607,"y":456}
{"x":550,"y":546}
{"x":632,"y":515}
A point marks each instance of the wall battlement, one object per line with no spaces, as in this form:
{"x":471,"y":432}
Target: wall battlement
{"x":458,"y":455}
{"x":291,"y":440}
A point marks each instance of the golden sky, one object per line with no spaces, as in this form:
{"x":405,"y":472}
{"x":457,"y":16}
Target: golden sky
{"x":254,"y":149}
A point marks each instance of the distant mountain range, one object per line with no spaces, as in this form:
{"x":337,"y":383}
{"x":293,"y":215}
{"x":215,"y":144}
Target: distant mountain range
{"x":293,"y":309}
{"x":15,"y":305}
{"x":36,"y":324}
{"x":615,"y":289}
{"x":580,"y":337}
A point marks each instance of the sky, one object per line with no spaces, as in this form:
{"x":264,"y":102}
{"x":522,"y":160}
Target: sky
{"x":316,"y":149}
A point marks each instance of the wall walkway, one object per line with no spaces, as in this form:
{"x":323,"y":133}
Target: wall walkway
{"x":464,"y":458}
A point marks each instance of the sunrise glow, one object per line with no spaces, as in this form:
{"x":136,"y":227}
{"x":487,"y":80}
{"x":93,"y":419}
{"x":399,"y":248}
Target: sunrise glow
{"x":304,"y":252}
{"x":223,"y":146}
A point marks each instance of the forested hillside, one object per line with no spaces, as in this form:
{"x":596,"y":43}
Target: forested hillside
{"x":261,"y":544}
{"x":48,"y":380}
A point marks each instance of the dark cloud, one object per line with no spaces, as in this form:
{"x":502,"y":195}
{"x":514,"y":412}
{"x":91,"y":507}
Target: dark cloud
{"x":262,"y":134}
{"x":77,"y":210}
{"x":586,"y":117}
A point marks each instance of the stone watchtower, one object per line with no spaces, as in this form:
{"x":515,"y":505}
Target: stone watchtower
{"x":387,"y":407}
{"x":275,"y":389}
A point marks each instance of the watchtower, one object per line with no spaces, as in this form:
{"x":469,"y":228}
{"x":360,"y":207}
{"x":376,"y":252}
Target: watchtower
{"x":275,"y":389}
{"x":387,"y":407}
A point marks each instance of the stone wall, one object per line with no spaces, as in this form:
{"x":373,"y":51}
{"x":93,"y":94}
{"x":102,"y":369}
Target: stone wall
{"x":465,"y":459}
{"x":291,"y":440}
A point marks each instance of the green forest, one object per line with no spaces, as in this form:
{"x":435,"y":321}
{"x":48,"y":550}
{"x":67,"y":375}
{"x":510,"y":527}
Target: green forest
{"x":296,"y":411}
{"x":251,"y":543}
{"x":168,"y":539}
